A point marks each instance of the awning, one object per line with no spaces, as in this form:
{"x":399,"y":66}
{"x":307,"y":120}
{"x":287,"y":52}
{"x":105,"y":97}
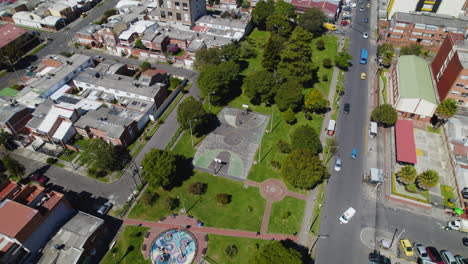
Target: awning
{"x":405,"y":146}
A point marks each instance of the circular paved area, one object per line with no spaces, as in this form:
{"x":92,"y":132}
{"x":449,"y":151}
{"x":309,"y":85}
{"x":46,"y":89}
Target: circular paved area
{"x":273,"y":190}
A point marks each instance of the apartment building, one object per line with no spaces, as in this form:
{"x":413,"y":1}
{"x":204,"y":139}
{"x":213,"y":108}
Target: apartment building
{"x":452,"y":8}
{"x":450,"y":69}
{"x":184,"y":12}
{"x":427,"y":30}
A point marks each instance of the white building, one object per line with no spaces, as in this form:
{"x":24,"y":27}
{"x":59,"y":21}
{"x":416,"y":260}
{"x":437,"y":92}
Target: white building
{"x":446,"y":7}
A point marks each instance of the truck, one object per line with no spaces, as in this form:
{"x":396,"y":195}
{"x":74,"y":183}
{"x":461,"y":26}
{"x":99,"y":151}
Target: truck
{"x":329,"y":26}
{"x":458,"y":225}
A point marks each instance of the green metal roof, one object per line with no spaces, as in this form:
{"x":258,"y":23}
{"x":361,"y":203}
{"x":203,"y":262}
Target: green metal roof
{"x":415,"y":79}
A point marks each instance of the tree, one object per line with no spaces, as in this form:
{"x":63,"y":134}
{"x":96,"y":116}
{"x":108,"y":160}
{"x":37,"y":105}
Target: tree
{"x":5,"y":138}
{"x":223,"y":198}
{"x":231,"y":251}
{"x":97,"y":153}
{"x":428,"y":179}
{"x":289,"y":117}
{"x":205,"y":57}
{"x":312,"y":20}
{"x":289,"y":95}
{"x":217,"y":81}
{"x":145,"y":65}
{"x":262,"y":11}
{"x":342,"y":60}
{"x":447,"y":109}
{"x":171,"y":203}
{"x":13,"y":167}
{"x":296,"y":58}
{"x":407,"y":174}
{"x":230,"y":52}
{"x":412,"y":49}
{"x":284,"y":146}
{"x":260,"y":86}
{"x":384,"y":114}
{"x":320,"y":44}
{"x":305,"y":137}
{"x":9,"y":55}
{"x":276,"y":252}
{"x":279,"y":24}
{"x":386,"y":51}
{"x":303,"y":169}
{"x":285,"y":9}
{"x":197,"y":188}
{"x":159,"y":167}
{"x":246,"y":50}
{"x":271,"y":53}
{"x":315,"y":102}
{"x":191,"y":112}
{"x":149,"y":197}
{"x":139,"y":44}
{"x":110,"y":12}
{"x":327,"y":63}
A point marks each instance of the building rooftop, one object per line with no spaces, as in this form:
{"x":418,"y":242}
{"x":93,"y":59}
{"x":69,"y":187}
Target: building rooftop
{"x":8,"y":33}
{"x":19,"y":216}
{"x":457,"y":128}
{"x":9,"y":110}
{"x":414,"y":79}
{"x":227,"y":22}
{"x":437,"y":20}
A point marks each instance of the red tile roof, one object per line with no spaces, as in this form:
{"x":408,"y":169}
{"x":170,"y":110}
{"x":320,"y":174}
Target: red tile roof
{"x":9,"y":188}
{"x":326,"y":7}
{"x":405,"y":146}
{"x":459,"y":149}
{"x":8,"y":33}
{"x":19,"y":216}
{"x":153,"y":72}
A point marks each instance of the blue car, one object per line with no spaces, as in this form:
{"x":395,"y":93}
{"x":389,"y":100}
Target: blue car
{"x":366,"y":20}
{"x":354,"y":153}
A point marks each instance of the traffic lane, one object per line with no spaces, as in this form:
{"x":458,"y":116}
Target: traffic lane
{"x":421,"y":228}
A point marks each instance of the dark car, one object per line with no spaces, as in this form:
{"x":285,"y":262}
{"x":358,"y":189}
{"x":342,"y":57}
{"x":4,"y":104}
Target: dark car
{"x":434,"y":255}
{"x":465,"y":241}
{"x":366,"y":20}
{"x":376,"y":258}
{"x":39,"y":179}
{"x":465,"y":193}
{"x":346,"y":108}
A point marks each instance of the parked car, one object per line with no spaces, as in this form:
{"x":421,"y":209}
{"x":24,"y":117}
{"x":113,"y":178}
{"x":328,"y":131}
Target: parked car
{"x":347,"y":215}
{"x":461,"y":260}
{"x":465,"y":192}
{"x":346,"y":108}
{"x":434,"y":255}
{"x":407,"y":248}
{"x":347,"y":8}
{"x":376,"y":258}
{"x":363,"y":75}
{"x":448,"y":257}
{"x":99,"y":58}
{"x":31,"y":68}
{"x":338,"y":164}
{"x":361,"y":9}
{"x":465,"y":241}
{"x":39,"y":179}
{"x":104,"y":208}
{"x":368,"y":5}
{"x":421,"y":251}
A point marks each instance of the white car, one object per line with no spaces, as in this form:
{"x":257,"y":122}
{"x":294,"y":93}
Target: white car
{"x":338,"y":164}
{"x":365,"y":35}
{"x":104,"y":208}
{"x":344,"y":219}
{"x":421,"y":251}
{"x":353,"y":5}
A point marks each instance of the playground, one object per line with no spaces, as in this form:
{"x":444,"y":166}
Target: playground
{"x":230,"y":149}
{"x":173,"y":246}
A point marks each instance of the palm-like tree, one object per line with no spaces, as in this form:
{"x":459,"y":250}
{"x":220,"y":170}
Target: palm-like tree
{"x":447,"y":109}
{"x":407,"y":174}
{"x":428,"y":179}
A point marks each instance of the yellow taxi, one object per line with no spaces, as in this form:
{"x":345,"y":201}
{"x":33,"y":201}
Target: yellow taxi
{"x":407,"y":248}
{"x":368,"y":5}
{"x":363,"y":75}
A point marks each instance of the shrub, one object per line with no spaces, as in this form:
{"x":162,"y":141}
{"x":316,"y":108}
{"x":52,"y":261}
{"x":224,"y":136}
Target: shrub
{"x":285,"y":214}
{"x":51,"y":160}
{"x":308,"y":116}
{"x":289,"y":117}
{"x":327,"y":63}
{"x":173,"y":50}
{"x":275,"y":164}
{"x":320,"y":44}
{"x":325,"y":77}
{"x":284,"y":146}
{"x":171,"y":203}
{"x":197,"y":188}
{"x":231,"y":251}
{"x":223,"y":198}
{"x":149,"y":197}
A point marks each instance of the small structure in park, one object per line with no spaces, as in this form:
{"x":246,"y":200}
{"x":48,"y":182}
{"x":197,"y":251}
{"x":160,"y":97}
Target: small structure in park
{"x":173,"y":246}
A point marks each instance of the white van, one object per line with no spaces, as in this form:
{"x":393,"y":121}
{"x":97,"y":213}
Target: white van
{"x":344,"y":219}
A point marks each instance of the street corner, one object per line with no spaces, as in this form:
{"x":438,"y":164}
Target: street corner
{"x":370,"y":237}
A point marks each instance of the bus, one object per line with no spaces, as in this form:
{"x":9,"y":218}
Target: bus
{"x":363,"y":56}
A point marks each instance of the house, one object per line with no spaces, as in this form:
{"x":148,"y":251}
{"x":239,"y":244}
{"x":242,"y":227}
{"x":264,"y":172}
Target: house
{"x":225,"y":27}
{"x":184,"y":12}
{"x":450,"y":69}
{"x":135,"y":31}
{"x":453,"y":8}
{"x":155,"y":40}
{"x":13,"y":119}
{"x":89,"y":36}
{"x":13,"y":36}
{"x":77,"y":240}
{"x":330,"y":8}
{"x":412,"y":91}
{"x":404,"y":29}
{"x":34,"y":215}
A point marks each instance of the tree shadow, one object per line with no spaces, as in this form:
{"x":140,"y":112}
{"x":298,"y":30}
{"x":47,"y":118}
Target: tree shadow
{"x":184,"y":170}
{"x":209,"y":126}
{"x":304,"y":251}
{"x":315,"y":78}
{"x":243,"y":64}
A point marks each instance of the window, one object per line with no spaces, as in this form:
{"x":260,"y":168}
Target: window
{"x":177,"y":5}
{"x":186,"y":17}
{"x":169,"y":4}
{"x":416,"y":33}
{"x":464,"y":95}
{"x":432,"y":27}
{"x":420,"y":26}
{"x":459,"y":85}
{"x":460,"y":102}
{"x":395,"y":37}
{"x":169,"y":14}
{"x":163,"y":14}
{"x":185,"y":6}
{"x":428,"y":35}
{"x":464,"y":77}
{"x":398,"y":30}
{"x":401,"y":25}
{"x":455,"y":92}
{"x":427,"y":41}
{"x":413,"y":39}
{"x":179,"y":17}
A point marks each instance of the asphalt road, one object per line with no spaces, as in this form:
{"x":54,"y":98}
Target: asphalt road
{"x":344,"y":189}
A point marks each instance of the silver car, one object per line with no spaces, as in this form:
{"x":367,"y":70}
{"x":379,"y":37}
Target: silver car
{"x":448,"y":257}
{"x":338,"y":164}
{"x":421,"y":251}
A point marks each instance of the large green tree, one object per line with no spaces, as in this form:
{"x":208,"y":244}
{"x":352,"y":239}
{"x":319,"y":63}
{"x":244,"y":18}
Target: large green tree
{"x":260,"y":86}
{"x":343,"y":59}
{"x":428,"y":179}
{"x":5,"y":138}
{"x":412,"y":49}
{"x":276,"y":252}
{"x":303,"y":169}
{"x":312,"y":20}
{"x":191,"y":112}
{"x":305,"y":137}
{"x":159,"y":167}
{"x":285,"y":9}
{"x":262,"y":11}
{"x":217,"y":81}
{"x":231,"y":52}
{"x":296,"y":58}
{"x":279,"y":24}
{"x":447,"y":109}
{"x":289,"y":95}
{"x":407,"y":174}
{"x":205,"y":57}
{"x":315,"y":102}
{"x":384,"y":114}
{"x":13,"y":167}
{"x":271,"y":52}
{"x":9,"y":55}
{"x":98,"y":154}
{"x":386,"y":51}
{"x":246,"y":50}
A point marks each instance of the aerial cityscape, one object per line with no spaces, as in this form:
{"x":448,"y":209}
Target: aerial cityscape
{"x":232,"y":132}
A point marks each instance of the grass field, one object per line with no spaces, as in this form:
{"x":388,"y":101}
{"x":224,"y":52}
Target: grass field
{"x":330,"y":51}
{"x":246,"y":246}
{"x":286,"y":216}
{"x":245,"y":211}
{"x":131,"y":237}
{"x":8,"y":92}
{"x":258,"y":39}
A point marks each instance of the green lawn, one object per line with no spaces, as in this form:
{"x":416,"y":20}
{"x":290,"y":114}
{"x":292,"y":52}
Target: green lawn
{"x":131,"y":236}
{"x":330,"y":51}
{"x":245,"y":211}
{"x":246,"y":246}
{"x":447,"y":193}
{"x":314,"y":229}
{"x":257,"y":38}
{"x":433,"y":130}
{"x":184,"y":145}
{"x":286,"y":216}
{"x":8,"y":92}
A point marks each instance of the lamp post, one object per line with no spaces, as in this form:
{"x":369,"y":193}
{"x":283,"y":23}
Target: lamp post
{"x":190,"y":125}
{"x":209,"y":102}
{"x":318,"y":237}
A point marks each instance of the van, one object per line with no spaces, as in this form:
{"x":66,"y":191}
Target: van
{"x":448,"y":257}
